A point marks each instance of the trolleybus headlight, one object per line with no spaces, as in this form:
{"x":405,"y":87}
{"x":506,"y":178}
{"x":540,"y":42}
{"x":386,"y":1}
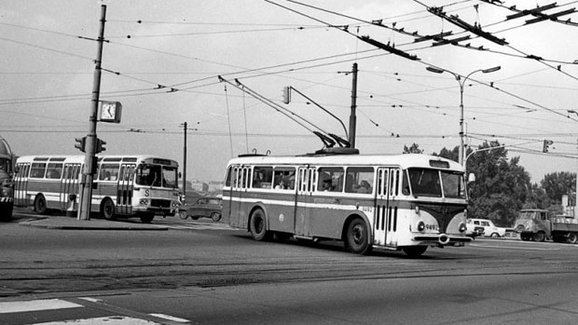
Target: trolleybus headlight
{"x":462,"y":227}
{"x":421,"y":226}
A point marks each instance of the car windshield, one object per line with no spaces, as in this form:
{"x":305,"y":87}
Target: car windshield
{"x":436,"y":183}
{"x":157,"y":175}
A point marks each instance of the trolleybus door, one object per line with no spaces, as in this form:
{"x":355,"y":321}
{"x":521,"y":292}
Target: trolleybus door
{"x":387,"y":205}
{"x":304,"y":200}
{"x":125,"y":189}
{"x":21,"y":197}
{"x":240,"y":181}
{"x":69,"y":184}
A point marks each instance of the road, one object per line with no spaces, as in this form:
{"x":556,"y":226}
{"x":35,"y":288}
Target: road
{"x":205,"y":273}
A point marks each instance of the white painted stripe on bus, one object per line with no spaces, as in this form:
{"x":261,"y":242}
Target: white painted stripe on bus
{"x":171,"y":318}
{"x":301,"y":204}
{"x":35,"y":305}
{"x":110,"y":320}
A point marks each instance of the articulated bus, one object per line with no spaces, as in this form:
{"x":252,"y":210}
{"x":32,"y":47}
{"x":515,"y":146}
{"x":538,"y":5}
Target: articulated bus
{"x":402,"y":202}
{"x":124,"y":186}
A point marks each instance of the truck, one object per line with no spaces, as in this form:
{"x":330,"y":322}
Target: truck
{"x":6,"y":180}
{"x":538,"y":225}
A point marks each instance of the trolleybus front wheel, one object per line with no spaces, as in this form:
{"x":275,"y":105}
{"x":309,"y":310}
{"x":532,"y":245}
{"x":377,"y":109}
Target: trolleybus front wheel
{"x":258,"y":226}
{"x":107,"y":209}
{"x":357,"y":237}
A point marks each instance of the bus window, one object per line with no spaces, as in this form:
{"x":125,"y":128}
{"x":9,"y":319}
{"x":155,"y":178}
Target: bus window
{"x":359,"y":180}
{"x":54,"y":171}
{"x":37,"y":170}
{"x":284,"y":178}
{"x":262,"y":177}
{"x":330,"y":179}
{"x":425,"y":182}
{"x":108,"y":172}
{"x":170,"y":177}
{"x":149,"y":175}
{"x":453,"y":184}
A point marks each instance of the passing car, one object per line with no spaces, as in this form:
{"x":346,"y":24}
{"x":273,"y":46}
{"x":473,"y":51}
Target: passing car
{"x":203,"y":207}
{"x":487,"y":226}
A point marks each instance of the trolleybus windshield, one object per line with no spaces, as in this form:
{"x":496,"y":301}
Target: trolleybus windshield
{"x":436,"y":183}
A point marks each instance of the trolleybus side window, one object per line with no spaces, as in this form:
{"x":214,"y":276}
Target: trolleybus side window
{"x":330,"y":179}
{"x":262,"y":177}
{"x":284,"y":178}
{"x":37,"y":170}
{"x":54,"y":171}
{"x":453,"y":185}
{"x":359,"y":180}
{"x":108,"y":172}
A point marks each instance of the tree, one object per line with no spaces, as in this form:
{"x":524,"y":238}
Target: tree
{"x":414,"y":148}
{"x":558,"y":184}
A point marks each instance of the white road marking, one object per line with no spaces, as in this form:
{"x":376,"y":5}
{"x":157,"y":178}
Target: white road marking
{"x":171,"y":318}
{"x":514,"y":247}
{"x":91,"y":299}
{"x":110,"y":320}
{"x":35,"y":305}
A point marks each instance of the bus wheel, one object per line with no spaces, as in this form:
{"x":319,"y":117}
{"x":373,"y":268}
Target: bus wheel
{"x":257,"y":226}
{"x":572,"y":238}
{"x":107,"y":209}
{"x":539,"y":236}
{"x":40,"y":204}
{"x":357,"y":237}
{"x":215,"y":216}
{"x":147,"y":218}
{"x":414,"y":251}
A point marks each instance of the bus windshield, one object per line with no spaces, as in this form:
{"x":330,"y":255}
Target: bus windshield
{"x":436,"y":183}
{"x":157,"y":175}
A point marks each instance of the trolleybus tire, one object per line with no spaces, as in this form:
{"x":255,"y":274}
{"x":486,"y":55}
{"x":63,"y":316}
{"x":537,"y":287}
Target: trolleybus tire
{"x":107,"y":209}
{"x":539,"y":236}
{"x":414,"y":251}
{"x":215,"y":216}
{"x":147,"y":218}
{"x":357,"y":237}
{"x":40,"y":204}
{"x":572,"y":238}
{"x":258,"y":226}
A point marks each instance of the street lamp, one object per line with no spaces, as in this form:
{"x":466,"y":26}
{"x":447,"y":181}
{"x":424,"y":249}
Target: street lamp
{"x":462,"y":83}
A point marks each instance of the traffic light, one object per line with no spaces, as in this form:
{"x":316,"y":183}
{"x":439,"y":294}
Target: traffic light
{"x":547,"y":144}
{"x":99,"y":146}
{"x":80,"y":144}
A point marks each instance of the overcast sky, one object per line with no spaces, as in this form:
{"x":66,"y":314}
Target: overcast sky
{"x":47,"y":67}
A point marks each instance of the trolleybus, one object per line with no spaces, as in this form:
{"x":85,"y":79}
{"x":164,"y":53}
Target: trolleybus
{"x":6,"y":184}
{"x":399,"y":202}
{"x":124,"y":186}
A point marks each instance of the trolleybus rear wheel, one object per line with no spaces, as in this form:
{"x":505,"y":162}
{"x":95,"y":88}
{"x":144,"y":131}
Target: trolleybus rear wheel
{"x":572,"y":238}
{"x":40,"y":204}
{"x":107,"y":209}
{"x":258,"y":225}
{"x":357,"y":237}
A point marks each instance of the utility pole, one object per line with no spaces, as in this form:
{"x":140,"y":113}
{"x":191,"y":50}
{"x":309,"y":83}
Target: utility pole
{"x":352,"y":116}
{"x":184,"y":162}
{"x":91,"y":139}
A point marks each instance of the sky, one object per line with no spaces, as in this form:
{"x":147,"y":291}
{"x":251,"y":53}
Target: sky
{"x":162,"y":59}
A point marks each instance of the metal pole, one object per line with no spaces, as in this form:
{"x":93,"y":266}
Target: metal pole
{"x":353,"y":117}
{"x":461,"y":149}
{"x":185,"y":162}
{"x":90,"y":148}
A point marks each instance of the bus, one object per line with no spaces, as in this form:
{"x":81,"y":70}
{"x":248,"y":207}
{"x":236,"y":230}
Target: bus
{"x":6,"y":184}
{"x":400,"y":202}
{"x":124,"y":186}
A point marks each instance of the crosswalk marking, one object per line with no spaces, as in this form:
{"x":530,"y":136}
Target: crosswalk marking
{"x":35,"y":305}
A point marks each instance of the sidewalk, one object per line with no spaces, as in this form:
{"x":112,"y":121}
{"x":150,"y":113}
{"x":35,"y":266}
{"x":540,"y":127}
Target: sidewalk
{"x":61,"y":222}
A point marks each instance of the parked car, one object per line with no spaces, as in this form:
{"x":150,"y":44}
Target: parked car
{"x":488,"y":227}
{"x":204,"y":207}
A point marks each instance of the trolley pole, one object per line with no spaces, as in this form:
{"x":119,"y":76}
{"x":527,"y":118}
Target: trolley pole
{"x":352,"y":116}
{"x":90,"y":149}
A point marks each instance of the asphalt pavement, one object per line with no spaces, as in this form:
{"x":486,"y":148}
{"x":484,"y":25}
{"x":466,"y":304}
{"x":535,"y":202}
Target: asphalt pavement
{"x":63,"y":222}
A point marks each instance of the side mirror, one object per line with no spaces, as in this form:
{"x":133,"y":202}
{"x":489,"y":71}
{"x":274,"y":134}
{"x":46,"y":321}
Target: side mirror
{"x":471,"y":178}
